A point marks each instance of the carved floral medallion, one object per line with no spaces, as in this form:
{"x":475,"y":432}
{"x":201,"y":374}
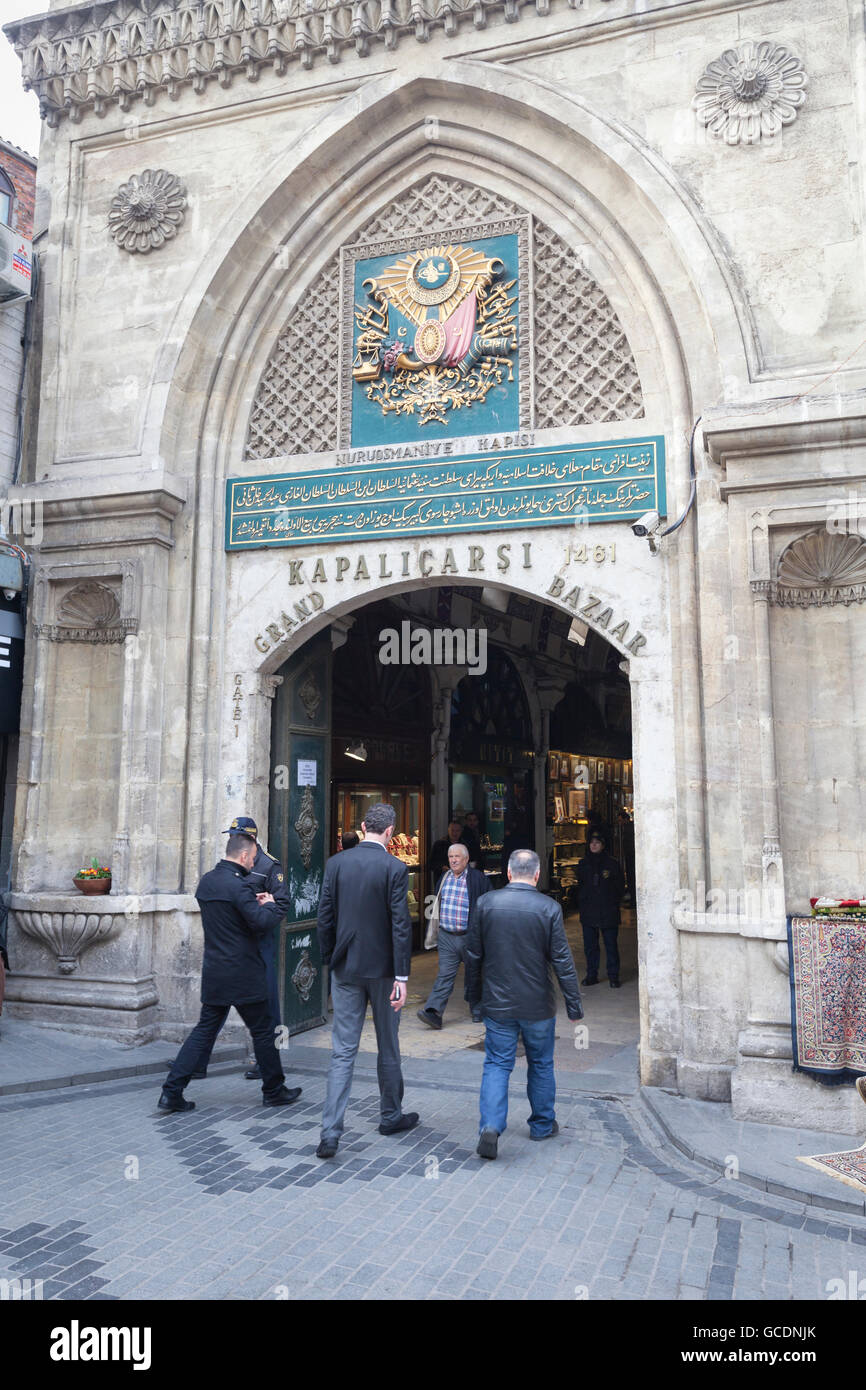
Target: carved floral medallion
{"x":750,"y":92}
{"x":147,"y":210}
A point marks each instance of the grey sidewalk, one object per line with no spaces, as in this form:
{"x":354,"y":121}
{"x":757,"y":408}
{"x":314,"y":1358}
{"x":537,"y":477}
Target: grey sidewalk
{"x":43,"y":1059}
{"x":34,"y":1059}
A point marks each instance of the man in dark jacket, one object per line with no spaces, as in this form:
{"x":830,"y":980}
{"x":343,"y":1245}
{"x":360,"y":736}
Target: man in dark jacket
{"x":599,"y":890}
{"x":266,"y":876}
{"x":439,"y":852}
{"x":365,"y":933}
{"x":515,"y":935}
{"x":460,"y":890}
{"x":233,"y":916}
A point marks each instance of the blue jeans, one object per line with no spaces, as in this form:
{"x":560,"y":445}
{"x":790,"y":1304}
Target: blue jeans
{"x":500,"y":1051}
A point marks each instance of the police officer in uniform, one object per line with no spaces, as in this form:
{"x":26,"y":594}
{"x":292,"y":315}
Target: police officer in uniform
{"x":233,"y":916}
{"x":266,"y":876}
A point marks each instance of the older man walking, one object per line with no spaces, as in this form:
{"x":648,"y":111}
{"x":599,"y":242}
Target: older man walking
{"x":516,"y":934}
{"x":459,"y":891}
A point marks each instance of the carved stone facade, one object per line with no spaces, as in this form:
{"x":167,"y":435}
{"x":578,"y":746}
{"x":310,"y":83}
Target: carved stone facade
{"x":751,"y":92}
{"x":580,"y":377}
{"x":147,"y":211}
{"x":68,"y":934}
{"x":99,"y":55}
{"x":686,"y":261}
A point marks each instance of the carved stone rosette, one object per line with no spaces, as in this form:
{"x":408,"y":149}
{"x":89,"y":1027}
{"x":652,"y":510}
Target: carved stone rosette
{"x":750,"y":92}
{"x":68,"y":934}
{"x":147,"y":210}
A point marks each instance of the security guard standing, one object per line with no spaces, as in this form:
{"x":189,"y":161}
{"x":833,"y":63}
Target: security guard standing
{"x":266,"y":876}
{"x":233,"y":916}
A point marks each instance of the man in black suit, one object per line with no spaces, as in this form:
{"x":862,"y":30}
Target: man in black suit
{"x":233,"y":916}
{"x":515,"y":936}
{"x":366,"y":938}
{"x":458,"y":893}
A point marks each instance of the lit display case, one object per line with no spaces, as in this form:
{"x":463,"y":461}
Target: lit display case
{"x":410,"y":832}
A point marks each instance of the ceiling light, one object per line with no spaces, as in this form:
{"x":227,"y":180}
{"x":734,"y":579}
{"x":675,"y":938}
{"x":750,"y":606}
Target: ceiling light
{"x":357,"y":751}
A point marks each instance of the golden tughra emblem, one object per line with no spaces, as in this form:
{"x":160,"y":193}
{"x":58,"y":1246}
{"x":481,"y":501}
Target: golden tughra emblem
{"x":437,"y":332}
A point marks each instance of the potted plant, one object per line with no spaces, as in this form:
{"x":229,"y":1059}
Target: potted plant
{"x":96,"y":879}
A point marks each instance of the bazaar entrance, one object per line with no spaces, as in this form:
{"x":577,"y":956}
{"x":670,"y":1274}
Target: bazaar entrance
{"x":518,"y":736}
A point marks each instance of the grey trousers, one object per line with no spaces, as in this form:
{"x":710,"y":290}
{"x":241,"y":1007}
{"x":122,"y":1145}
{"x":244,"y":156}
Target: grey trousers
{"x":350,"y":1008}
{"x":452,"y":950}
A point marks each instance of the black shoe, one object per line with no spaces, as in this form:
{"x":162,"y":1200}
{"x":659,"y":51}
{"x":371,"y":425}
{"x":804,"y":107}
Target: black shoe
{"x":172,"y":1103}
{"x":615,"y":984}
{"x":405,"y":1122}
{"x":538,"y":1137}
{"x":195,"y":1075}
{"x":327,"y":1148}
{"x":254,"y":1074}
{"x":430,"y":1017}
{"x":487,"y":1143}
{"x":590,"y":980}
{"x":284,"y":1096}
{"x":477,"y":1017}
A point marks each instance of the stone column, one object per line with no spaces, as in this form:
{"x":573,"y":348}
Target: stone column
{"x":548,"y":692}
{"x":445,"y":683}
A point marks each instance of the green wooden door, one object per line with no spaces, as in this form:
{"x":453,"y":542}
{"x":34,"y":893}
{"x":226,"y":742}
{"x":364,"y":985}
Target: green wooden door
{"x":299,"y":833}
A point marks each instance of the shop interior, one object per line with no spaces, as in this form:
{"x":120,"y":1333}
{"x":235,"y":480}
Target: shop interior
{"x":538,"y":746}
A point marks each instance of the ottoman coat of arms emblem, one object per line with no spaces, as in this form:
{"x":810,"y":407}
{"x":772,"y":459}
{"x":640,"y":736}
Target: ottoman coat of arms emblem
{"x":437,"y":332}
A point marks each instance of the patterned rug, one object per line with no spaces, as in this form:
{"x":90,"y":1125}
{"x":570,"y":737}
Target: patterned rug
{"x":848,"y":1167}
{"x":827,"y":957}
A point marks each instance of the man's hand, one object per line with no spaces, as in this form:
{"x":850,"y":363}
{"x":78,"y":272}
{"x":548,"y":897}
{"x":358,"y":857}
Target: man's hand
{"x":398,"y":995}
{"x":264,"y":898}
{"x":574,"y":1014}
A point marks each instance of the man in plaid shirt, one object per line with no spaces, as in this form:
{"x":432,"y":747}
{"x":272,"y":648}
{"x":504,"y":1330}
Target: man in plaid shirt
{"x":461,"y":888}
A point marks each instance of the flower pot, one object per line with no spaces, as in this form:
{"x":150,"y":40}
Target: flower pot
{"x":92,"y":887}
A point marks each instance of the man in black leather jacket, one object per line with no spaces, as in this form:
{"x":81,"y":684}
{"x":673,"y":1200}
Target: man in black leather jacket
{"x":515,"y":935}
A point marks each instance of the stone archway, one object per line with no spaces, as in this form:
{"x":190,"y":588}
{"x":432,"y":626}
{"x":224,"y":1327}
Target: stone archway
{"x":292,"y":614}
{"x":599,"y":190}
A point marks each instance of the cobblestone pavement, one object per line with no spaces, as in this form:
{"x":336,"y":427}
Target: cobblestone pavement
{"x":105,"y":1198}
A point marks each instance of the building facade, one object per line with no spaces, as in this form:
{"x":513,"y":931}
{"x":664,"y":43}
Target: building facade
{"x":17,"y":198}
{"x":271,"y":232}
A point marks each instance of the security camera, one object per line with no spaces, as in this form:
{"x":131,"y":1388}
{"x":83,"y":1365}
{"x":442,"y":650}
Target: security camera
{"x":10,"y":594}
{"x":647,"y":524}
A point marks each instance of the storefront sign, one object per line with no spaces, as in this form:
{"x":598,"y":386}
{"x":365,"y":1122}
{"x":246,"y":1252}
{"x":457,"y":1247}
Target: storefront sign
{"x":522,"y":488}
{"x":11,"y":669}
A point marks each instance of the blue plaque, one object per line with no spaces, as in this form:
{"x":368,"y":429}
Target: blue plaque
{"x":514,"y":489}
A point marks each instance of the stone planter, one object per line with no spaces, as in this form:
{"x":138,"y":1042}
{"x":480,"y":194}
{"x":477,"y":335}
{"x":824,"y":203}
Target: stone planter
{"x":93,"y":887}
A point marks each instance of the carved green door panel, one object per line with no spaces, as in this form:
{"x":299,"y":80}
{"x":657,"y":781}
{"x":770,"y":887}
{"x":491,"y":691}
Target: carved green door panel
{"x":299,"y":833}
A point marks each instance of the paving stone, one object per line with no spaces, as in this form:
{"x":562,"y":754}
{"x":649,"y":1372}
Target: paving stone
{"x":604,"y":1209}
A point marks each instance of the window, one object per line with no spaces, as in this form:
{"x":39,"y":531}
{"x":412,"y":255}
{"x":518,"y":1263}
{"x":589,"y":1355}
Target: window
{"x":7,"y":197}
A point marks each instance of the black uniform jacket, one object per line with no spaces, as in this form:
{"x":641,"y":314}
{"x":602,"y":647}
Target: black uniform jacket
{"x":599,"y":889}
{"x":267,"y":876}
{"x":233,"y":971}
{"x":515,"y":935}
{"x":364,"y":926}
